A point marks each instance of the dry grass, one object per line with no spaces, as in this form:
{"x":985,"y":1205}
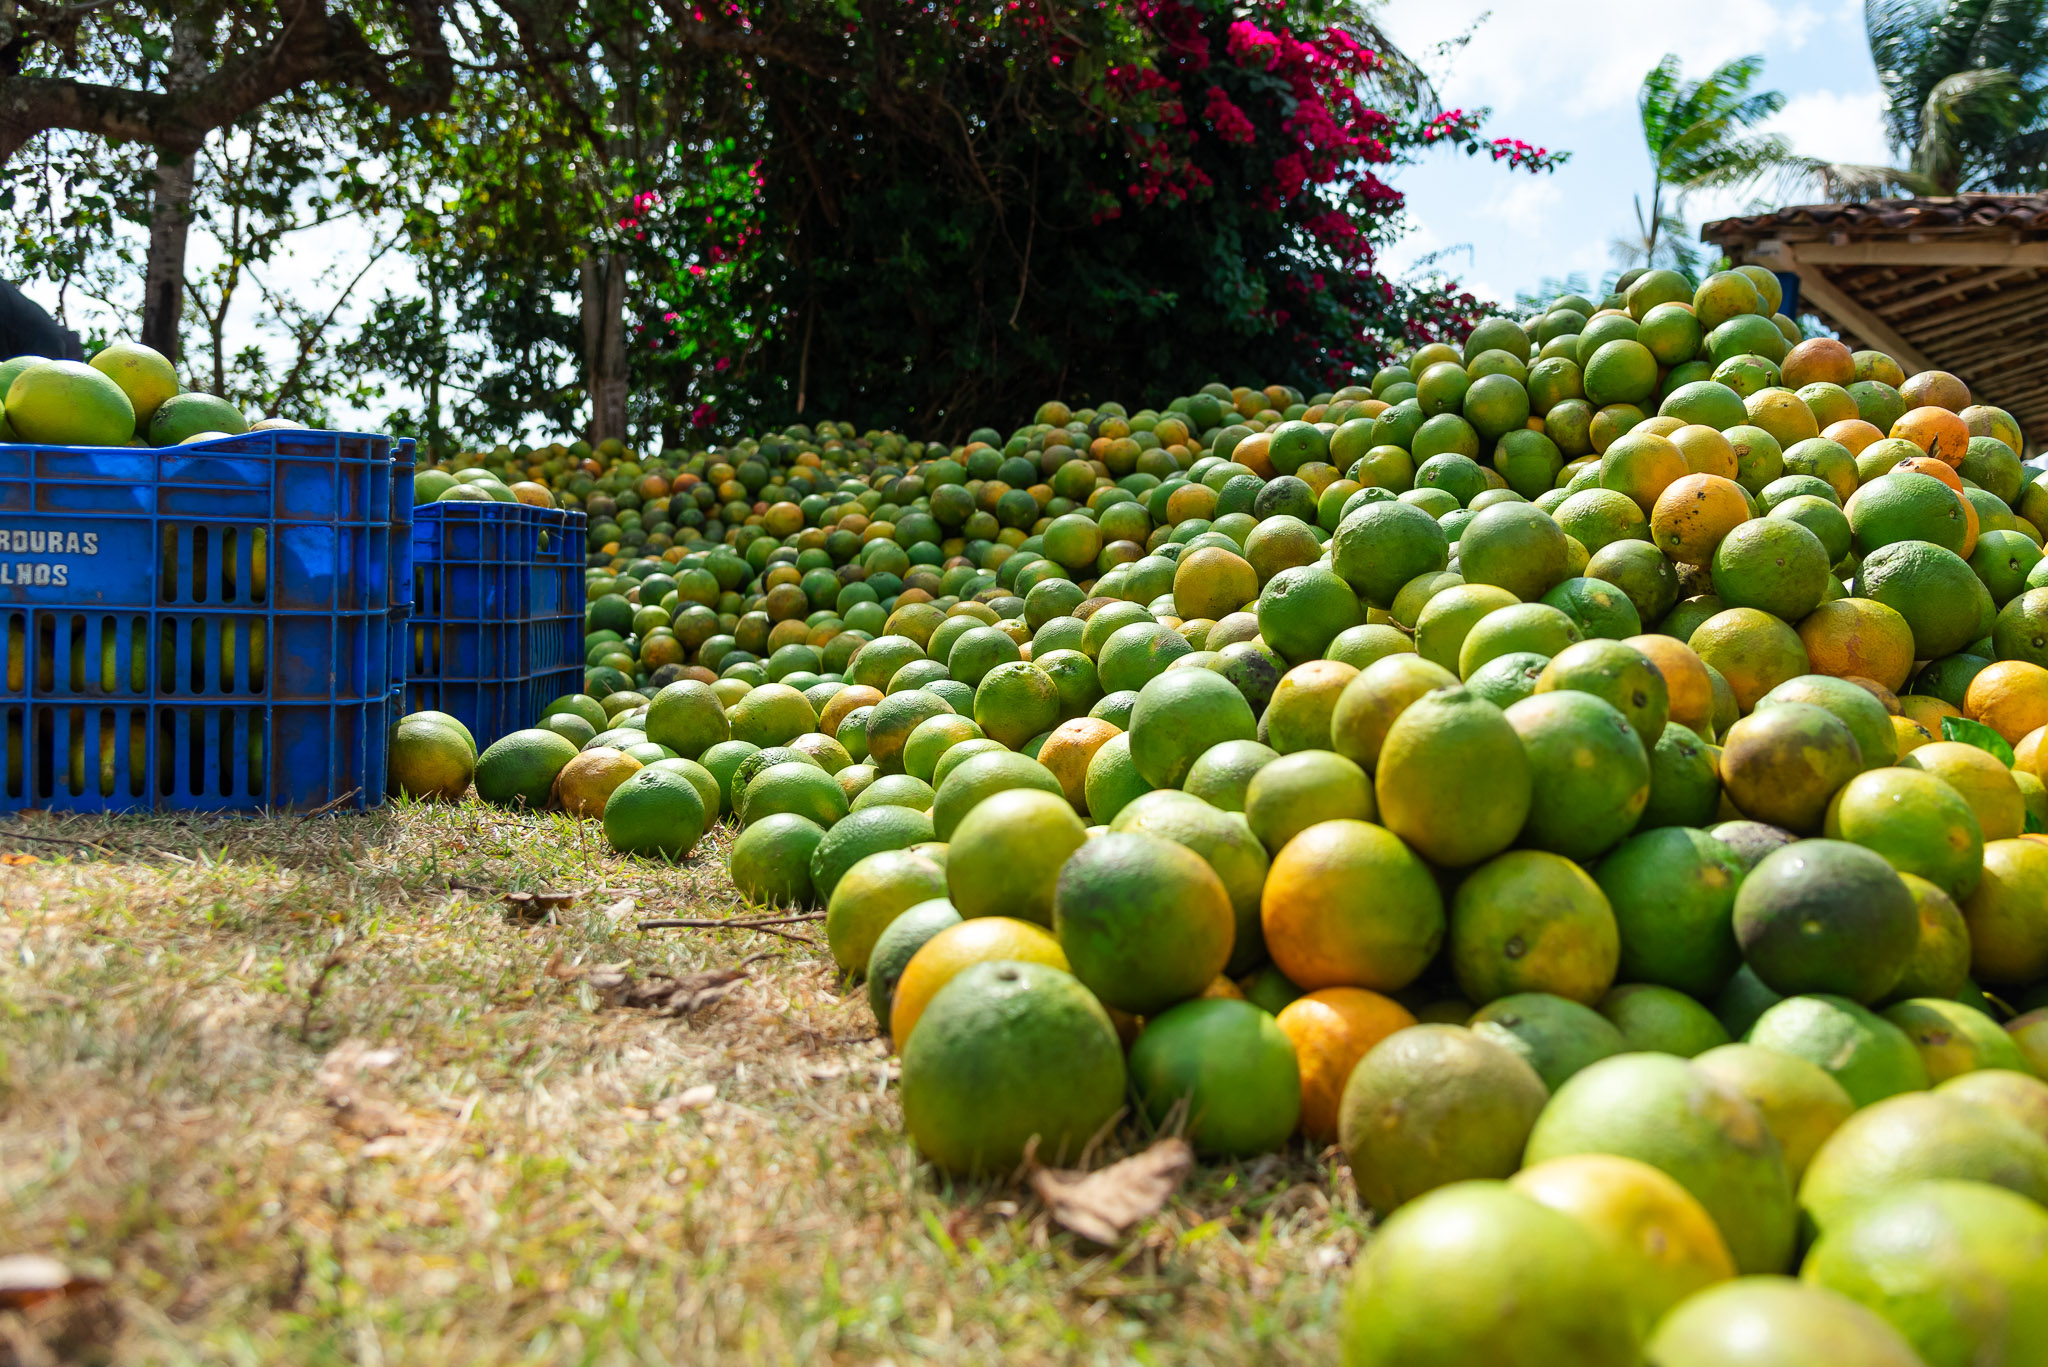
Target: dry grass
{"x":514,"y":1171}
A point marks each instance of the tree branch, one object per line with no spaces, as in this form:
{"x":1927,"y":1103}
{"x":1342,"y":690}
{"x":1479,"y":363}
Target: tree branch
{"x":310,"y":44}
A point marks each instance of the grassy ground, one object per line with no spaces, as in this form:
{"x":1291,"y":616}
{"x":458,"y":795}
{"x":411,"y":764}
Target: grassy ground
{"x":305,"y":1091}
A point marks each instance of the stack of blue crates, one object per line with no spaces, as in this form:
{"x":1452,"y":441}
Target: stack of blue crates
{"x":202,"y":627}
{"x":496,"y":631}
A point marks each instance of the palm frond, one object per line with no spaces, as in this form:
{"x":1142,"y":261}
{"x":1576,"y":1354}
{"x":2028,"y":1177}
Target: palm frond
{"x":1962,"y":108}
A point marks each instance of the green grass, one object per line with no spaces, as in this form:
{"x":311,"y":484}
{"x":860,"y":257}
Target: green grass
{"x":551,"y":1194}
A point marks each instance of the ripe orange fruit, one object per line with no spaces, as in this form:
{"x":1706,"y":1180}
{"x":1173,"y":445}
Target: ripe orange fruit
{"x":1854,"y":433}
{"x":1859,"y":638}
{"x":1693,"y":513}
{"x":1068,"y":749}
{"x":2010,"y":697}
{"x":942,"y":958}
{"x":1347,"y":904}
{"x":1331,"y":1030}
{"x":1928,"y":465}
{"x":1936,"y":389}
{"x":1685,"y":679}
{"x":1937,"y":431}
{"x":1754,"y":651}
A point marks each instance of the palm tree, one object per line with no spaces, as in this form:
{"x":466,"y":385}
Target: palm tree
{"x":1701,"y":135}
{"x":1966,"y":86}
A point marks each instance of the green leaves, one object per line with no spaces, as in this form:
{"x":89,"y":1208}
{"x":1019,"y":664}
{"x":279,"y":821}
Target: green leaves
{"x":1978,"y":734}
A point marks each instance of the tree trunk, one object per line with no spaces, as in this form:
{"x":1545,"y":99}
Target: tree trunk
{"x":604,"y":343}
{"x":170,"y":213}
{"x":163,"y":277}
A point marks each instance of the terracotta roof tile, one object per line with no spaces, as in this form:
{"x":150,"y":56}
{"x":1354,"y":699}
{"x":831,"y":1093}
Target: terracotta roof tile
{"x":2025,"y":213}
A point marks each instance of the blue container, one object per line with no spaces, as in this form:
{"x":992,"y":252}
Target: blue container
{"x":201,"y":627}
{"x":402,"y":467}
{"x":496,"y":631}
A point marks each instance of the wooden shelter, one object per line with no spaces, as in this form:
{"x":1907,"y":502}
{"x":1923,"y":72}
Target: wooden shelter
{"x":1957,"y":284}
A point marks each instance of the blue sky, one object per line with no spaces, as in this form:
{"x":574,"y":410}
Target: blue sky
{"x":1564,"y":74}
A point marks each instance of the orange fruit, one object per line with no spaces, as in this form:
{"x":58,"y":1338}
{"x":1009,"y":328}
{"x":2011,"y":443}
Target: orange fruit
{"x":1928,"y":465}
{"x":1642,"y":465}
{"x":1937,"y":431}
{"x":1211,"y":582}
{"x":844,"y":702}
{"x":1685,"y":679}
{"x":1936,"y":389}
{"x":1854,"y":433}
{"x":1927,"y":710}
{"x":1988,"y":786}
{"x":2010,"y":697}
{"x":1818,"y":360}
{"x":1643,"y":1218}
{"x":2030,"y":751}
{"x":1347,"y":904}
{"x":1860,"y":638}
{"x":1706,"y":451}
{"x":985,"y":939}
{"x":1068,"y":749}
{"x":1752,"y":650}
{"x":1331,"y":1030}
{"x":1693,"y":513}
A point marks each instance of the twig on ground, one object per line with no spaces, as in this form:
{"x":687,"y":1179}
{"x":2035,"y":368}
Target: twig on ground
{"x":324,"y":808}
{"x":6,"y":834}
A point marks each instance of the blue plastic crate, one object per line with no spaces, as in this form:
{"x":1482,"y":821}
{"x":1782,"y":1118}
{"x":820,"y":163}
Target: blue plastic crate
{"x":496,"y":631}
{"x":200,"y":627}
{"x":402,"y":470}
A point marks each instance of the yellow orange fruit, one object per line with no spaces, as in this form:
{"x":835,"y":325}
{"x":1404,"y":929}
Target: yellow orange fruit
{"x":1332,"y":1029}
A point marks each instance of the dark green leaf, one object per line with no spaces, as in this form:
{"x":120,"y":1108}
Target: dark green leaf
{"x":1978,"y":734}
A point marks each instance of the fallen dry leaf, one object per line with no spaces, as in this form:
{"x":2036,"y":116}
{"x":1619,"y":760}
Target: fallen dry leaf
{"x":620,"y":910}
{"x":662,"y":993}
{"x":50,"y":1314}
{"x":16,"y":860}
{"x":340,"y":1076}
{"x":1101,"y":1205}
{"x":28,"y":1279}
{"x":537,"y":906}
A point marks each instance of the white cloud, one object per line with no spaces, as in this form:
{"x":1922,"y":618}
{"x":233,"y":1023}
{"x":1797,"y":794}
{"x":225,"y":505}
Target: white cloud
{"x":1835,"y":125}
{"x":1588,"y":56}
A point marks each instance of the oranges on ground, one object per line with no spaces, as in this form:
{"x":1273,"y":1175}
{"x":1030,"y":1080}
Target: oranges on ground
{"x":1347,"y":904}
{"x":2010,"y":697}
{"x":1225,"y":1069}
{"x":1007,"y":852}
{"x":657,"y":811}
{"x":1643,"y":1219}
{"x":1183,"y":713}
{"x":586,"y":782}
{"x":1453,"y":779}
{"x":1010,"y":1053}
{"x":1067,"y":752}
{"x":431,"y":758}
{"x":1435,"y":1104}
{"x":1857,"y":637}
{"x":2008,"y":933}
{"x":1211,"y":582}
{"x":1708,"y":1137}
{"x":947,"y":954}
{"x":871,"y":895}
{"x":1298,"y":717}
{"x":1487,"y":1243}
{"x":1984,"y":783}
{"x":1331,"y":1029}
{"x":1753,"y":650}
{"x":1937,"y":431}
{"x":1694,"y":513}
{"x":1144,"y":921}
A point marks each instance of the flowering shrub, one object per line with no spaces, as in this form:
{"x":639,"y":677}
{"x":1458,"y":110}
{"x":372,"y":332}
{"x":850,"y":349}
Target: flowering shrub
{"x":986,"y":207}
